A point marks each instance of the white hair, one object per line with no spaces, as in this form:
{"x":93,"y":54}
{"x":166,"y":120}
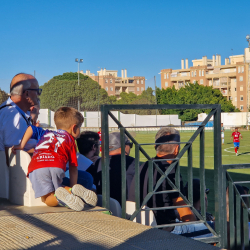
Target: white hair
{"x":19,"y":88}
{"x":166,"y":148}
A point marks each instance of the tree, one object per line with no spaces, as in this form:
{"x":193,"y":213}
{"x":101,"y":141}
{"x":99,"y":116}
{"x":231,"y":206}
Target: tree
{"x":69,"y":76}
{"x":146,"y":97}
{"x":60,"y":91}
{"x":126,"y":98}
{"x":193,"y":94}
{"x":3,"y":96}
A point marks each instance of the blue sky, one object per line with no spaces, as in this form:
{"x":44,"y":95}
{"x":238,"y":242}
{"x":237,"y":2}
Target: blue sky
{"x":141,"y":36}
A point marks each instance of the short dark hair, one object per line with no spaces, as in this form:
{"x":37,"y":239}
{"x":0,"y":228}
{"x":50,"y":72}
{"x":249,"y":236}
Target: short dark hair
{"x":86,"y":141}
{"x":66,"y":116}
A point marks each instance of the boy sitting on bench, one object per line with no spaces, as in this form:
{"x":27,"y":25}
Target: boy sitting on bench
{"x":48,"y":164}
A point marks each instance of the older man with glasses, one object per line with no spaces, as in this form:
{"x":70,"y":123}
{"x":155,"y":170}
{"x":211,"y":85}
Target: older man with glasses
{"x":15,"y":112}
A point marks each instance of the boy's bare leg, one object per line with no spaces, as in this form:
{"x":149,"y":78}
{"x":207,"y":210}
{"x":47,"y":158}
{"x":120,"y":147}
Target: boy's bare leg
{"x":50,"y":199}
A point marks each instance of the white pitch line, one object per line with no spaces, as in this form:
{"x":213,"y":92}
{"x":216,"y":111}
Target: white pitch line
{"x":227,"y":150}
{"x":186,"y":157}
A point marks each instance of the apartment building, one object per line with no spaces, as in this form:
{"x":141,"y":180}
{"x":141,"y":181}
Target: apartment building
{"x":232,"y":79}
{"x":115,"y":85}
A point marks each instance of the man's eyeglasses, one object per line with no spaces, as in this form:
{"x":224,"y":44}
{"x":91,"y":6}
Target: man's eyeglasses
{"x":38,"y":91}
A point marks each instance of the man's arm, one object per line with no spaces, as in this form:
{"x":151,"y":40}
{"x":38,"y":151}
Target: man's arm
{"x":73,"y":175}
{"x":185,"y":213}
{"x":28,"y":134}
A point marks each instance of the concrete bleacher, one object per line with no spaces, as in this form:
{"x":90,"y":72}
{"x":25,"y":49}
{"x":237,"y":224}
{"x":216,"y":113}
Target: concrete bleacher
{"x":61,"y":228}
{"x":25,"y":222}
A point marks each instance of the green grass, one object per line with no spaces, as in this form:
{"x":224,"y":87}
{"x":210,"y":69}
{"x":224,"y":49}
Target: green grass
{"x":228,"y":157}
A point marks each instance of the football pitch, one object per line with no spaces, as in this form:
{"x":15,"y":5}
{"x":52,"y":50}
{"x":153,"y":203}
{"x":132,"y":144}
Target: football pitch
{"x":228,"y":157}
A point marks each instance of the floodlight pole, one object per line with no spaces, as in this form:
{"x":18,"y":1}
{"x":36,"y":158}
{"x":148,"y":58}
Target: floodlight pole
{"x":155,"y":101}
{"x":98,"y":102}
{"x":248,"y":40}
{"x":78,"y":61}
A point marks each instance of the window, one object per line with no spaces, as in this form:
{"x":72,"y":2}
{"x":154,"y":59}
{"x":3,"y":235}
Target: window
{"x":241,"y":107}
{"x":142,"y":88}
{"x":234,"y":89}
{"x":230,"y":98}
{"x":141,"y":81}
{"x":137,"y":81}
{"x":241,"y":88}
{"x":165,"y":76}
{"x":195,"y":73}
{"x":202,"y":72}
{"x":138,"y":89}
{"x":111,"y":88}
{"x":241,"y":78}
{"x":201,"y":81}
{"x":166,"y":84}
{"x":199,"y":72}
{"x":241,"y":97}
{"x":194,"y":81}
{"x":239,"y":69}
{"x":111,"y":81}
{"x":242,"y":69}
{"x":192,"y":74}
{"x":107,"y":88}
{"x":235,"y":98}
{"x":106,"y":80}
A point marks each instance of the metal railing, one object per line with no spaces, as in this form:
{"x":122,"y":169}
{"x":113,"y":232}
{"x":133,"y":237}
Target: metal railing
{"x":220,"y":234}
{"x":238,"y":219}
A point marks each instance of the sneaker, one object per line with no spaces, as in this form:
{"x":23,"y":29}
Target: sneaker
{"x":65,"y":199}
{"x":236,"y":154}
{"x":88,"y":196}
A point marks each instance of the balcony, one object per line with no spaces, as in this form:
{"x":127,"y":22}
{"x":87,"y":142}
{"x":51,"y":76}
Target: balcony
{"x":223,"y":84}
{"x":180,"y":76}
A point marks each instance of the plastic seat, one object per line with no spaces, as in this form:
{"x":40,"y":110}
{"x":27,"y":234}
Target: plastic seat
{"x":115,"y":206}
{"x":4,"y":176}
{"x":20,"y":188}
{"x":144,"y":217}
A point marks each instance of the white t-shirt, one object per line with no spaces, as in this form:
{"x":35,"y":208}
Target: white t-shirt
{"x":83,"y":162}
{"x":13,"y":124}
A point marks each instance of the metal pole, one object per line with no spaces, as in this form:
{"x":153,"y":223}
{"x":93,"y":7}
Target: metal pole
{"x":78,"y":85}
{"x":155,"y":102}
{"x":248,"y":71}
{"x":98,"y":102}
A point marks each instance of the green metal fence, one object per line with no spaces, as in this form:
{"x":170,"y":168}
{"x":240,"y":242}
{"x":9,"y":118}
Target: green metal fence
{"x":220,"y":233}
{"x":238,"y":231}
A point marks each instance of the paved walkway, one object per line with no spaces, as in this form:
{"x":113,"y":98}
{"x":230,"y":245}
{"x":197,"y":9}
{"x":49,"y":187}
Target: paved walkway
{"x":61,"y":228}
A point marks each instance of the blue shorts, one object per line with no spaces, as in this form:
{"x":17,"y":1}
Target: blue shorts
{"x":46,"y":180}
{"x":236,"y":144}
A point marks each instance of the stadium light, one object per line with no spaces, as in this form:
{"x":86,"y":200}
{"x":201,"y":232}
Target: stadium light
{"x":248,"y":40}
{"x":76,"y":60}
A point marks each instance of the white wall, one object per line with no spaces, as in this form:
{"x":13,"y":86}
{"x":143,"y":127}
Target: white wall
{"x":127,"y":120}
{"x":230,"y":119}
